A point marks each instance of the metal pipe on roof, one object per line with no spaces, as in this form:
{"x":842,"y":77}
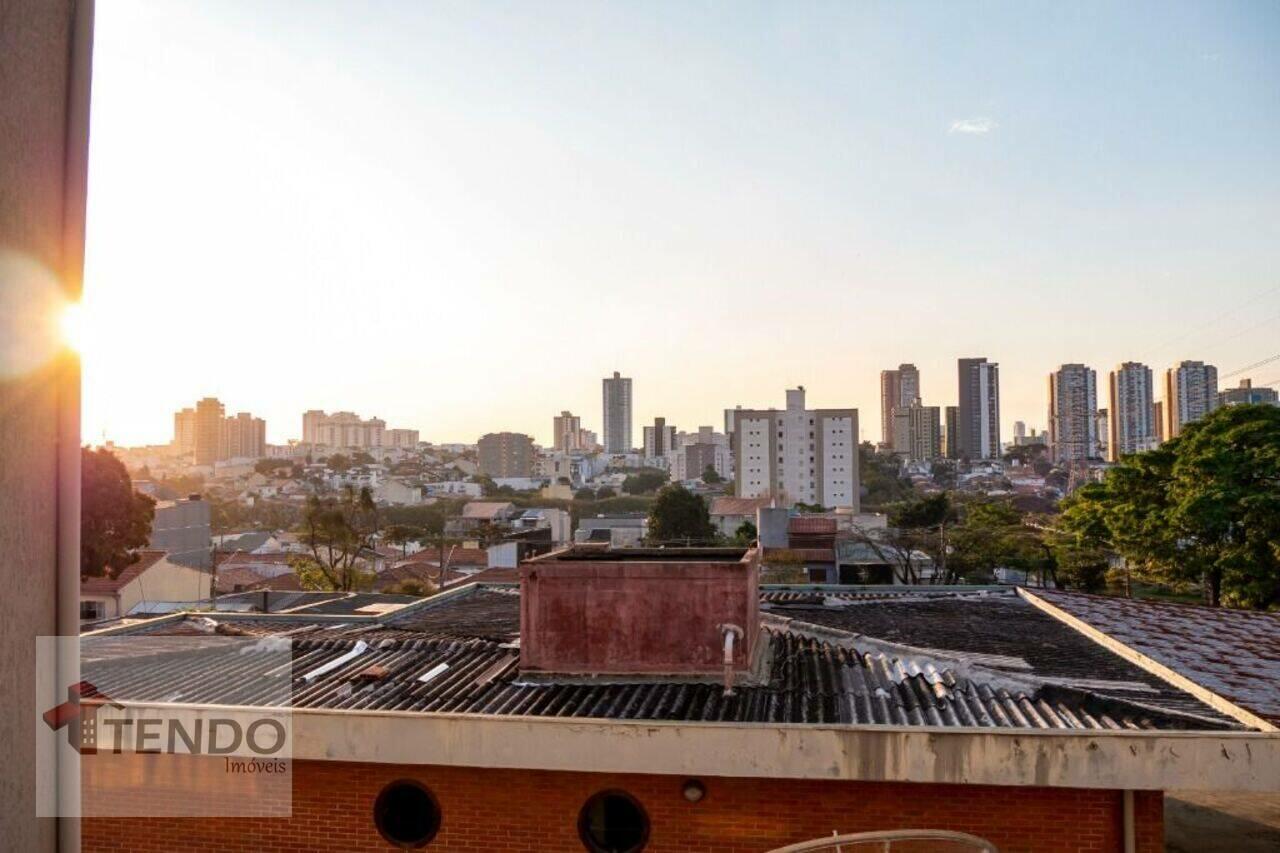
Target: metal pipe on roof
{"x":730,"y":631}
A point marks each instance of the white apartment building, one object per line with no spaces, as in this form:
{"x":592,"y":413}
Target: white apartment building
{"x":1130,"y":411}
{"x":1190,"y":393}
{"x":1073,"y":413}
{"x":798,"y":454}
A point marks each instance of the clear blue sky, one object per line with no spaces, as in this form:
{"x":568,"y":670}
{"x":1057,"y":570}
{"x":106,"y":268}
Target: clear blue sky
{"x":460,"y":216}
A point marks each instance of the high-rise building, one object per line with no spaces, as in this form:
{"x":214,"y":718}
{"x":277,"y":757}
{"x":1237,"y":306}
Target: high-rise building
{"x":505,"y":454}
{"x":311,"y":421}
{"x":897,"y":388}
{"x":1019,"y":430}
{"x":917,"y":431}
{"x":244,"y":437}
{"x":1157,"y":419}
{"x":208,"y":446}
{"x":950,"y":432}
{"x":798,"y":455}
{"x":1130,"y":411}
{"x":1073,"y":414}
{"x":617,"y":414}
{"x":659,"y":439}
{"x":1246,"y":393}
{"x":184,"y":431}
{"x":566,"y":432}
{"x":343,"y":430}
{"x":1190,"y":393}
{"x":406,"y":438}
{"x":978,"y":418}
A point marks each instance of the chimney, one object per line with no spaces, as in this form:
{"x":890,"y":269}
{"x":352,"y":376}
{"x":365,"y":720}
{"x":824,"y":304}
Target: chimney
{"x":588,"y":611}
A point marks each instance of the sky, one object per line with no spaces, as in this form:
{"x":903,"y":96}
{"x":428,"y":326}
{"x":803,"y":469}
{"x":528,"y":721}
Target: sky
{"x":459,"y":217}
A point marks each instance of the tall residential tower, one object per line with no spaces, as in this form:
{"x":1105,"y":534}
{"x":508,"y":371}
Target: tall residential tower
{"x":978,"y":415}
{"x":617,"y":414}
{"x":1190,"y":393}
{"x":1073,"y":414}
{"x":1130,"y":411}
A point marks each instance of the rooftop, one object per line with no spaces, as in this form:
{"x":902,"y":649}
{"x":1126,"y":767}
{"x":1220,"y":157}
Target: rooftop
{"x":959,"y":657}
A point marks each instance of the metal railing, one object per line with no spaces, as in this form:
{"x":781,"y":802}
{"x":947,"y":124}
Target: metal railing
{"x":894,"y":841}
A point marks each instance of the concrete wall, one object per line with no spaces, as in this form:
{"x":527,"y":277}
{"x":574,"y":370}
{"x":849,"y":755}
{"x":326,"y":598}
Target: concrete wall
{"x":44,"y":68}
{"x":523,"y":810}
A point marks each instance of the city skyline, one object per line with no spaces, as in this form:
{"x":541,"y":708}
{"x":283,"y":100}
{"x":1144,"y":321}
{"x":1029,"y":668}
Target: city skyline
{"x":845,"y":208}
{"x":282,"y":434}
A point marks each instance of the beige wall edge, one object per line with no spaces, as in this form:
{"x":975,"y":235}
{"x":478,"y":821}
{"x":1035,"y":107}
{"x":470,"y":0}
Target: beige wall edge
{"x":1245,"y":761}
{"x":1213,"y":700}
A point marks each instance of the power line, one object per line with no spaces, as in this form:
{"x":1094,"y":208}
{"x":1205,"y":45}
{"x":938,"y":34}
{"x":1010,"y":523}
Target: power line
{"x":1200,"y":330}
{"x":1249,"y":367}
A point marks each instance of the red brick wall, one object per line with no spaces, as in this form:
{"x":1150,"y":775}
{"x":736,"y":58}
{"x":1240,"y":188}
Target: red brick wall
{"x":520,"y":810}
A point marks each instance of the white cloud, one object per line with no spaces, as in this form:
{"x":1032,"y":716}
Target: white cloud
{"x":972,"y":125}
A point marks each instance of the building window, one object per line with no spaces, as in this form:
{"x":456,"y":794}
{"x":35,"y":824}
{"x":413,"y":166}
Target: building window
{"x":90,"y":610}
{"x":406,"y":814}
{"x":613,"y":822}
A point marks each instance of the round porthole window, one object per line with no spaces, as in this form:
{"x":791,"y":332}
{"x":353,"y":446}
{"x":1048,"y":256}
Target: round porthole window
{"x":613,"y":822}
{"x":406,"y":814}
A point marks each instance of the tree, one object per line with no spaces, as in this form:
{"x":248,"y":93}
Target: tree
{"x":268,"y":467}
{"x":644,"y":480}
{"x":881,"y":483}
{"x":337,"y":533}
{"x":114,"y":519}
{"x":1080,"y":540}
{"x":1202,"y":509}
{"x":605,"y":492}
{"x":746,"y":534}
{"x":993,"y":535}
{"x":916,"y":526}
{"x":338,"y":462}
{"x":680,"y":515}
{"x":402,"y":535}
{"x":584,"y":494}
{"x":362,"y":458}
{"x":711,"y":476}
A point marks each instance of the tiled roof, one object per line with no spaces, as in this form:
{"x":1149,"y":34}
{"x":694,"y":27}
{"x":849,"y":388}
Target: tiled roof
{"x":811,"y":524}
{"x":737,"y":506}
{"x":244,"y":558}
{"x":109,"y":586}
{"x":806,"y":555}
{"x":454,"y":556}
{"x":1234,"y":653}
{"x":467,"y":639}
{"x":242,"y":578}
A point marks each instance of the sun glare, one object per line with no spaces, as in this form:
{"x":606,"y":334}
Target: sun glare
{"x":73,"y":326}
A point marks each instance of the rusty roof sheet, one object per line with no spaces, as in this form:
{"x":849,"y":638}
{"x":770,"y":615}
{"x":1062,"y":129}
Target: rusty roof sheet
{"x":467,"y":640}
{"x":1234,"y":653}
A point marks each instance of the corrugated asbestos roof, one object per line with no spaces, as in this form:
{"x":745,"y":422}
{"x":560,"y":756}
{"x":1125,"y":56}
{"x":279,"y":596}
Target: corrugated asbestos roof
{"x":466,"y":642}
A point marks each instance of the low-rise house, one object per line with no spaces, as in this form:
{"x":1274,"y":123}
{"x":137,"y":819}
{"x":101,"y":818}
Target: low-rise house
{"x":151,"y":577}
{"x":397,"y":492}
{"x":730,"y":513}
{"x":661,"y":700}
{"x":621,"y":530}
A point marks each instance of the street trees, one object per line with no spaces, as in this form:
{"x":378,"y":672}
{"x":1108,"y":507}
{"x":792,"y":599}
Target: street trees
{"x":1201,"y":510}
{"x":680,"y":515}
{"x":114,"y":519}
{"x":338,"y":533}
